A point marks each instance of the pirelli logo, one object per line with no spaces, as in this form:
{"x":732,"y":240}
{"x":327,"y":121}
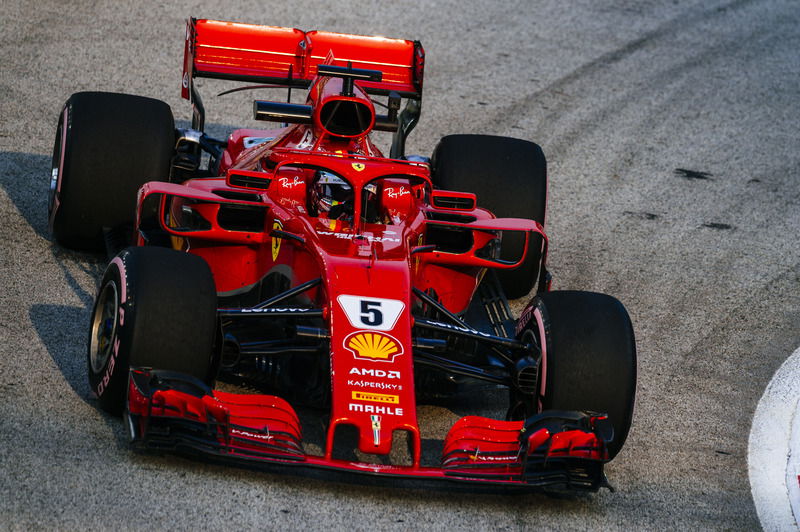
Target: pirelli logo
{"x":376,"y":397}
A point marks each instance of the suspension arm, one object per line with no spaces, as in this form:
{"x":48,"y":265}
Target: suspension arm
{"x":458,"y":368}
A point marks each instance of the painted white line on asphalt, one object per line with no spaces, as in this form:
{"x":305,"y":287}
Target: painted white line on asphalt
{"x":768,"y":453}
{"x":793,"y":467}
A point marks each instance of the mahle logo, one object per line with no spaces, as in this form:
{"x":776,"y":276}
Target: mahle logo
{"x":373,"y":346}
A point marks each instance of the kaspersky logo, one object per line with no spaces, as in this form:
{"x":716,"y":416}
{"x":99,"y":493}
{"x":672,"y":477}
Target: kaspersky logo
{"x":375,"y":346}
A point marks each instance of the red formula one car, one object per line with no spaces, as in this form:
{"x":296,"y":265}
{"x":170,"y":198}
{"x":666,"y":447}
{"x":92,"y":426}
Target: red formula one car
{"x":333,"y":282}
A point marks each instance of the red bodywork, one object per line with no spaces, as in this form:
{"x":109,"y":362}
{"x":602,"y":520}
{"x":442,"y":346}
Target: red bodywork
{"x":231,"y":50}
{"x":265,"y":428}
{"x":368,"y":267}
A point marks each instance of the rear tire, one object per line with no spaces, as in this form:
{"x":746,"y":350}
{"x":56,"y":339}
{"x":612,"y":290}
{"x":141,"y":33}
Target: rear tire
{"x":156,"y":308}
{"x":509,"y":176}
{"x":588,"y":356}
{"x":107,"y":146}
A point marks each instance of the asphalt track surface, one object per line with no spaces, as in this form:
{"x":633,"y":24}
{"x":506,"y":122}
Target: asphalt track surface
{"x":671,"y":130}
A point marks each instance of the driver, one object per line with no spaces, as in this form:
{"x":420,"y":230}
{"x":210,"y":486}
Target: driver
{"x":332,"y":196}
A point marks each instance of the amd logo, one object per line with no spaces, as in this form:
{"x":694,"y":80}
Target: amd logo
{"x":380,"y":373}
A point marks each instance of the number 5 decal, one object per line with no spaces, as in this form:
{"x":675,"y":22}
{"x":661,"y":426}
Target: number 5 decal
{"x":371,"y":312}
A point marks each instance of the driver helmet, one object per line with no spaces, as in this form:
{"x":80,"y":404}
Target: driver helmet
{"x":332,"y":196}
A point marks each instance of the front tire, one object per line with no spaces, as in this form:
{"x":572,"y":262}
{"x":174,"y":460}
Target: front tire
{"x":588,"y":360}
{"x":156,"y":308}
{"x":509,"y":176}
{"x":107,"y":146}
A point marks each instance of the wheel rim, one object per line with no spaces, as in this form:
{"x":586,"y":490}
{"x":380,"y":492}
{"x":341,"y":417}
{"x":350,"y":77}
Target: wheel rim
{"x":53,"y":184}
{"x":54,"y":169}
{"x":104,"y":327}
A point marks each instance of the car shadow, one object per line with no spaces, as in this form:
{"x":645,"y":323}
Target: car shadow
{"x":58,"y":326}
{"x":25,"y":178}
{"x":63,"y":328}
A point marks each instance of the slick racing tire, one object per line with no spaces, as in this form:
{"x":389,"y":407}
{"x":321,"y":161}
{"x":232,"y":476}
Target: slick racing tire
{"x":107,"y":146}
{"x":155,"y":308}
{"x":588,"y":360}
{"x":509,"y":176}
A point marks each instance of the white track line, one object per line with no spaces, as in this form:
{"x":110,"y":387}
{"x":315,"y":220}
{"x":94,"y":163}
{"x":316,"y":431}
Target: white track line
{"x":772,"y":465}
{"x":793,"y":467}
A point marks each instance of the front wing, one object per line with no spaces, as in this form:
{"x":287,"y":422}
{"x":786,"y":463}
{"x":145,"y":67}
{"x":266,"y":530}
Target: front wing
{"x":167,"y":411}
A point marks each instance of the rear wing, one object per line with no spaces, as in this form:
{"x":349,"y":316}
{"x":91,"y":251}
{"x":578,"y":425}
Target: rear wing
{"x":289,"y":57}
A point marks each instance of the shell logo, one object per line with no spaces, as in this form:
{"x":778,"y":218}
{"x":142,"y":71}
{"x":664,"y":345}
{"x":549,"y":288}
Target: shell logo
{"x":373,"y":346}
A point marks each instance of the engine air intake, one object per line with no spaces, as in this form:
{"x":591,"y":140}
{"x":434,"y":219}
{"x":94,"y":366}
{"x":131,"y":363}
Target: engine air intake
{"x":346,"y":118}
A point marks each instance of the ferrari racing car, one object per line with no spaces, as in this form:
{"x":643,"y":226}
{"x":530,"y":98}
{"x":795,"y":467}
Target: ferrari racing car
{"x":295,"y":276}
